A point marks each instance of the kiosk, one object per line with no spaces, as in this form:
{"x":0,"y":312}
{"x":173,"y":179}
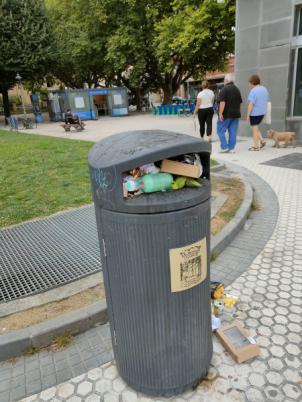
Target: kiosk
{"x":89,"y":103}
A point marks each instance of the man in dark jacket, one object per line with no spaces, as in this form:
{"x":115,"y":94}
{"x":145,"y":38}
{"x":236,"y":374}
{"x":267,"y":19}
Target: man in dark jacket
{"x":228,"y":114}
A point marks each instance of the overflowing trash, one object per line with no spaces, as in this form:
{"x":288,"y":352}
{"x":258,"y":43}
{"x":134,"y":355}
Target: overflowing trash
{"x":238,"y":342}
{"x":233,"y":336}
{"x":221,"y":301}
{"x":167,"y":175}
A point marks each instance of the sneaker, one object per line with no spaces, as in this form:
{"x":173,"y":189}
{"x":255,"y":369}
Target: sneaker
{"x":223,"y":151}
{"x":232,"y":151}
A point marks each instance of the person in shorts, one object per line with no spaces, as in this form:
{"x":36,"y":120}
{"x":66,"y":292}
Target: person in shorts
{"x":256,"y":110}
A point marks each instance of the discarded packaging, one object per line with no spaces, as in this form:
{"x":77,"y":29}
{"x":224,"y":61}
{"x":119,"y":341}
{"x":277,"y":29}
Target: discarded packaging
{"x":217,"y":290}
{"x":218,"y":307}
{"x":131,"y":183}
{"x":149,"y":178}
{"x":136,"y":173}
{"x":152,"y":183}
{"x":216,"y":322}
{"x":149,"y":168}
{"x":237,"y":341}
{"x":181,"y":182}
{"x":180,"y":169}
{"x":229,"y":301}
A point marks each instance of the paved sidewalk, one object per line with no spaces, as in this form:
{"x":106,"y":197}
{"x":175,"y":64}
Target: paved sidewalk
{"x":271,"y":308}
{"x":31,"y":374}
{"x":96,"y":130}
{"x":91,"y":349}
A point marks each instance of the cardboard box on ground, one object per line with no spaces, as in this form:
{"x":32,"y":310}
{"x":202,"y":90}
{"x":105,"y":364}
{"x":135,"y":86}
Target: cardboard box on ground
{"x":237,"y":342}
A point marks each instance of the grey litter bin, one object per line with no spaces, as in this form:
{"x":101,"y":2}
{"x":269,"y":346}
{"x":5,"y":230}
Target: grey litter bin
{"x":155,"y":251}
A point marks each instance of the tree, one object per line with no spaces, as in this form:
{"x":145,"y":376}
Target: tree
{"x":195,"y":37}
{"x":156,"y":44}
{"x":25,"y":43}
{"x":80,"y":30}
{"x":130,"y":49}
{"x":142,"y":44}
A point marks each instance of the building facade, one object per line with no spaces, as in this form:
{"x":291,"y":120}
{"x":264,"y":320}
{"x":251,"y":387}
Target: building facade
{"x":269,"y":43}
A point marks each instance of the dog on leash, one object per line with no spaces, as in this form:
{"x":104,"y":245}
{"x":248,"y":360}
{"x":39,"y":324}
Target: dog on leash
{"x":287,"y":137}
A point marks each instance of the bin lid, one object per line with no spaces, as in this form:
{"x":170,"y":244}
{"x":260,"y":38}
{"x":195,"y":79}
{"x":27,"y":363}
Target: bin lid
{"x":110,"y":158}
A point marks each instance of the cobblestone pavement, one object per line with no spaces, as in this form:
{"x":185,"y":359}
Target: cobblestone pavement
{"x":30,"y":374}
{"x":270,"y":307}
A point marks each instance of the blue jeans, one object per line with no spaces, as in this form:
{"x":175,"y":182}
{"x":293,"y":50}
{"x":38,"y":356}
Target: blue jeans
{"x":232,"y":126}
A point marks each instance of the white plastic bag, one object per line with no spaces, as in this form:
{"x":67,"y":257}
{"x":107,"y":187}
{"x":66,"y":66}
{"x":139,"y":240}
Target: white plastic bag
{"x":268,"y":117}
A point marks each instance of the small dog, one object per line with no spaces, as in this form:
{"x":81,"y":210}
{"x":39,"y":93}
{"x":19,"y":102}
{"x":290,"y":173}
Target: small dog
{"x":286,"y":137}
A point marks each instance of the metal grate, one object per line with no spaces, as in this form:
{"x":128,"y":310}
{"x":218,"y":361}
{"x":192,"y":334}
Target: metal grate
{"x":41,"y":255}
{"x":292,"y":161}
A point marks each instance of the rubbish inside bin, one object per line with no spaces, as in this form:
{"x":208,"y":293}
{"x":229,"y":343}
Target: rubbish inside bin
{"x":182,"y":181}
{"x":152,"y":183}
{"x":185,"y":165}
{"x":149,"y":183}
{"x":149,"y":168}
{"x":138,"y":180}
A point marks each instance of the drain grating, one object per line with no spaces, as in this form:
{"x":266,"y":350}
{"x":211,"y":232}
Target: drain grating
{"x":291,"y":161}
{"x":41,"y":255}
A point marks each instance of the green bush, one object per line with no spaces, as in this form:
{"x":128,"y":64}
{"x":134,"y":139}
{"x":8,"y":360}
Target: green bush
{"x":14,"y":99}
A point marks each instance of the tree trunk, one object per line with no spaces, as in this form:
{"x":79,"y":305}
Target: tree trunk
{"x":168,"y":95}
{"x":138,"y":99}
{"x":5,"y":104}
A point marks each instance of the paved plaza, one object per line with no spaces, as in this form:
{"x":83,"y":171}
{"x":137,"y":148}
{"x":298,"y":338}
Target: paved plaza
{"x":270,"y":292}
{"x":96,"y":130}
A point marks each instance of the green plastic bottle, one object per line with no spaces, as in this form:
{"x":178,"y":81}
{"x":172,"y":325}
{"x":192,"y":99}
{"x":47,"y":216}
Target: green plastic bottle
{"x":151,"y":183}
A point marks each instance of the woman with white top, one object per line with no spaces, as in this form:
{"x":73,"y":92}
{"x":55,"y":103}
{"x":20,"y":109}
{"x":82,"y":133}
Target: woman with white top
{"x":204,"y":108}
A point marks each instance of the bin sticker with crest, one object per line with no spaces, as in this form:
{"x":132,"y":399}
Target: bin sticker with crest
{"x":188,"y":266}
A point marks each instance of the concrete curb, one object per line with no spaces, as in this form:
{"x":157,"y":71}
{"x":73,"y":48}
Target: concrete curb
{"x":230,"y":231}
{"x":15,"y":343}
{"x":217,"y":168}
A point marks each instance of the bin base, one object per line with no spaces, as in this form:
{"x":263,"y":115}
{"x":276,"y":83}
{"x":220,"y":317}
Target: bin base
{"x":165,"y":393}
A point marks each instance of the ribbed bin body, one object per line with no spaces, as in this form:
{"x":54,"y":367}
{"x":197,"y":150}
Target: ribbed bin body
{"x":162,"y":341}
{"x":155,"y":251}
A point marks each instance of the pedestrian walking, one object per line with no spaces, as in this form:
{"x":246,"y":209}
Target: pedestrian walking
{"x":256,"y":110}
{"x":230,"y":100}
{"x":204,"y":108}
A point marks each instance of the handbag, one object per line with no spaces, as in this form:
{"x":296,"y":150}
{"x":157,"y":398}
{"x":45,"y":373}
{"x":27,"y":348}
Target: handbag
{"x":268,"y":117}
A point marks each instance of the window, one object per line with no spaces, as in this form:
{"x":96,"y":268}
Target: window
{"x":299,"y":30}
{"x":79,"y":102}
{"x":296,"y":65}
{"x":298,"y":21}
{"x":298,"y":86}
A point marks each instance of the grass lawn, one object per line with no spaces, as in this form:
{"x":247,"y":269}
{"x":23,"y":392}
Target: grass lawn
{"x":41,"y":175}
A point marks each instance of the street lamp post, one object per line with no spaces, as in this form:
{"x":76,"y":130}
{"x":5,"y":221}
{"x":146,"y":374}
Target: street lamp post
{"x":19,"y":79}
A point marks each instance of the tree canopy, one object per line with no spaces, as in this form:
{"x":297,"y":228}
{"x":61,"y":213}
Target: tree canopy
{"x":194,"y":37}
{"x":80,"y":31}
{"x":25,"y":42}
{"x":145,"y":45}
